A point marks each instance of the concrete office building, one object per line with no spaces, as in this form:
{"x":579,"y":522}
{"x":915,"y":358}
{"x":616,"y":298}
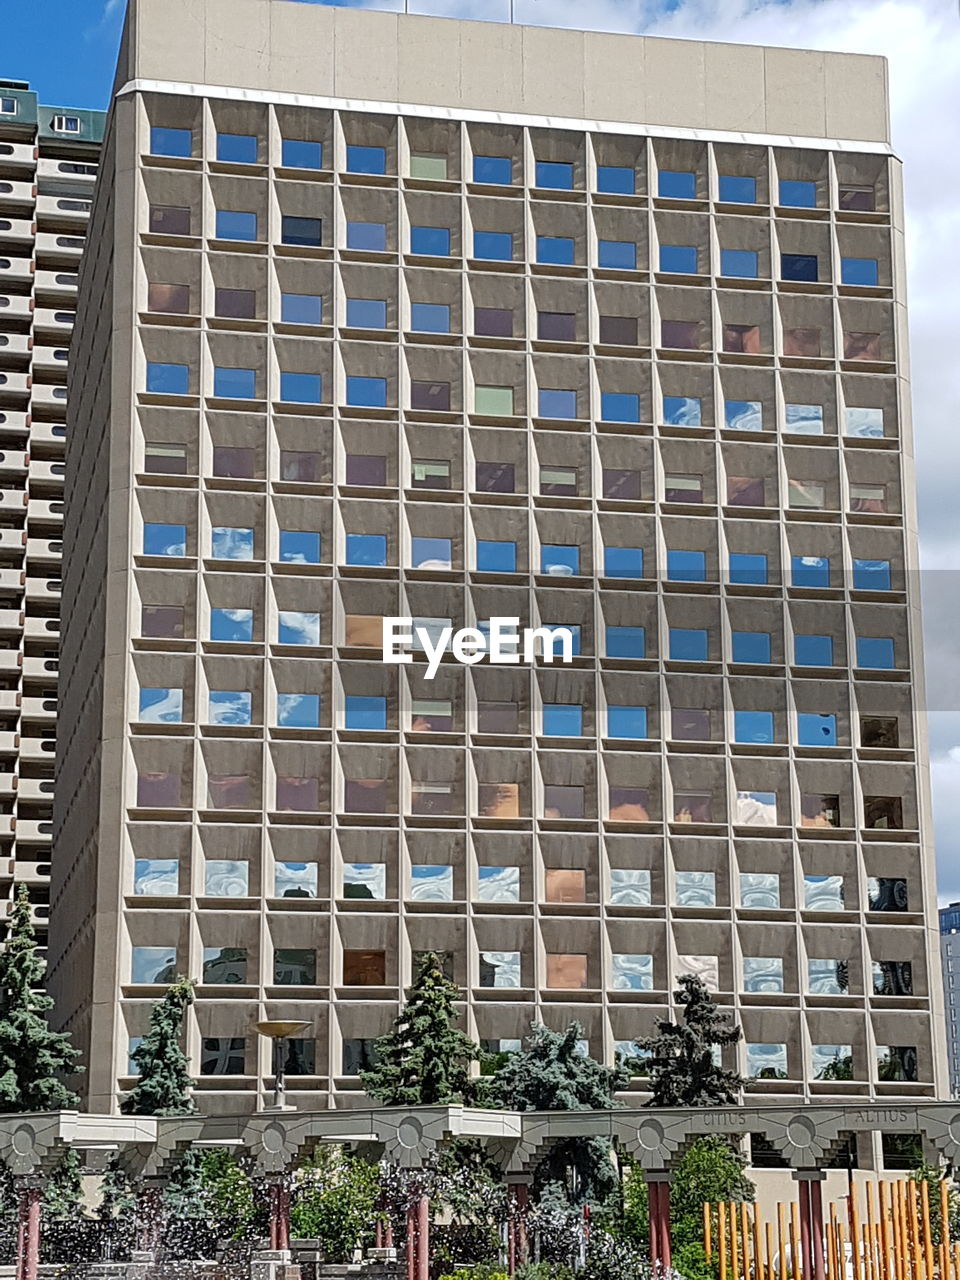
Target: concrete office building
{"x":48,"y":163}
{"x":950,"y":961}
{"x":390,"y":316}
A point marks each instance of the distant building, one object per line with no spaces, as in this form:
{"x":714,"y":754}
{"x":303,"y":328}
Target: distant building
{"x":950,"y":959}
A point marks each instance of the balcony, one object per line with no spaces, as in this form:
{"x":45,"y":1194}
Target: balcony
{"x":43,"y":551}
{"x":46,"y":473}
{"x":18,"y":201}
{"x":48,"y":320}
{"x":57,"y":286}
{"x":11,"y":622}
{"x":66,"y":210}
{"x":18,"y":155}
{"x":15,"y":270}
{"x":15,"y":308}
{"x":39,"y":710}
{"x":51,"y":246}
{"x":12,"y":500}
{"x":38,"y":750}
{"x":59,"y":173}
{"x":41,"y":671}
{"x":33,"y":833}
{"x":42,"y":590}
{"x":13,"y":464}
{"x":40,"y":789}
{"x":16,"y":231}
{"x":41,"y":629}
{"x":49,"y":359}
{"x":16,"y":349}
{"x":11,"y":581}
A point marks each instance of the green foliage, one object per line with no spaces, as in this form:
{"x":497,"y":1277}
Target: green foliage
{"x":543,"y":1271}
{"x":117,"y":1199}
{"x":476,"y":1273}
{"x":690,"y":1261}
{"x":33,"y":1059}
{"x":682,"y":1070}
{"x":610,"y":1258}
{"x":62,"y":1191}
{"x":163,"y":1085}
{"x":228,"y":1194}
{"x":551,"y":1074}
{"x":932,"y":1174}
{"x":711,"y":1169}
{"x":840,"y":1067}
{"x":335,"y":1202}
{"x":424,"y":1060}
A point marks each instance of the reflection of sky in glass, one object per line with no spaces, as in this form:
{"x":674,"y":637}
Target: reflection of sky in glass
{"x":505,"y":966}
{"x":365,"y":880}
{"x":231,"y":544}
{"x":299,"y":546}
{"x":862,"y":422}
{"x":632,"y":973}
{"x":630,"y":887}
{"x":822,"y":1055}
{"x":766,"y":1058}
{"x":234,"y":625}
{"x":826,"y":977}
{"x":743,"y":415}
{"x":696,"y":889}
{"x":805,"y":419}
{"x":164,"y":539}
{"x":759,"y":890}
{"x":631,"y":1052}
{"x":226,"y":878}
{"x":153,"y":964}
{"x":431,"y":883}
{"x":161,"y":706}
{"x":431,"y":553}
{"x":682,"y":411}
{"x":762,"y":973}
{"x":498,"y":884}
{"x":823,"y":893}
{"x":228,"y":706}
{"x":294,"y":627}
{"x":432,"y":627}
{"x":295,"y":880}
{"x":298,"y":710}
{"x":756,"y":808}
{"x":156,"y":877}
{"x":706,"y":968}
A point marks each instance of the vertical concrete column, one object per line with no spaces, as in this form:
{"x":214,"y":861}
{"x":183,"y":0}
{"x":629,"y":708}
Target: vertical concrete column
{"x":28,"y":1228}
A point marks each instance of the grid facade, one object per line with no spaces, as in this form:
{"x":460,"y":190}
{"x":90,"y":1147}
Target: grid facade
{"x":398,"y":363}
{"x":48,"y":164}
{"x":950,"y":961}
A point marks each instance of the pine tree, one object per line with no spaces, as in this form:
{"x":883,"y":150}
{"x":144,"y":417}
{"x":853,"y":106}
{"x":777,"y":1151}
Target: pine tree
{"x":33,"y":1059}
{"x":163,"y":1086}
{"x":424,"y":1060}
{"x":683,"y":1072}
{"x":551,"y":1073}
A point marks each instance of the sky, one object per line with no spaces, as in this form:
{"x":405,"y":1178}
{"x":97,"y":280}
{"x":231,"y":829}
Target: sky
{"x":66,"y":48}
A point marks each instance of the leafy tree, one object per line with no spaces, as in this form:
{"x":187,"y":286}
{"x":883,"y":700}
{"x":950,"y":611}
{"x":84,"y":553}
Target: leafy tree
{"x":335,"y":1202}
{"x":425,"y":1060}
{"x":228,"y":1195}
{"x":680,"y":1056}
{"x":163,"y":1086}
{"x":550,"y":1073}
{"x":840,"y":1067}
{"x":33,"y":1059}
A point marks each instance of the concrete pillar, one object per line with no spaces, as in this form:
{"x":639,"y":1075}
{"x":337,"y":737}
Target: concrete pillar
{"x":28,"y":1229}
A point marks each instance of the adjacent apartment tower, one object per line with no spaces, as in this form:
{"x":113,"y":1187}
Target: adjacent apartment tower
{"x":48,"y":163}
{"x":950,"y":959}
{"x":387,"y":316}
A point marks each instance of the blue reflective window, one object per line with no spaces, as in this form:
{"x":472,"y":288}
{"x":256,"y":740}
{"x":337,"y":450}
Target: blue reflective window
{"x":619,"y":406}
{"x":619,"y":254}
{"x":369,"y":236}
{"x":815,"y":730}
{"x":677,"y":184}
{"x":496,"y":557}
{"x":237,"y":148}
{"x":798,"y":195}
{"x":365,"y":712}
{"x":234,"y":224}
{"x":229,"y":543}
{"x":810,"y":571}
{"x":688,"y":644}
{"x":679,"y":257}
{"x":626,"y":642}
{"x":297,"y":153}
{"x":552,"y":402}
{"x":298,"y":710}
{"x":616,"y":180}
{"x":168,"y":379}
{"x":495,"y":170}
{"x":562,"y":561}
{"x":231,"y":625}
{"x":301,"y":388}
{"x":171,"y":142}
{"x":562,"y":720}
{"x":431,"y":553}
{"x":682,"y":411}
{"x":234,"y":384}
{"x":743,"y":415}
{"x":367,"y":393}
{"x":573,"y":628}
{"x":740,"y":262}
{"x":623,"y":562}
{"x":493,"y":246}
{"x":433,"y":241}
{"x":301,"y":231}
{"x":299,"y":546}
{"x":751,"y":646}
{"x":876,"y":653}
{"x":367,"y":313}
{"x":748,"y":568}
{"x":556,"y":250}
{"x":687,"y":566}
{"x":367,"y":549}
{"x":859,"y":271}
{"x":301,"y":308}
{"x":626,"y":722}
{"x":164,"y":539}
{"x":366,"y":159}
{"x":554,"y":175}
{"x":295,"y":627}
{"x":161,"y":706}
{"x":800,"y":266}
{"x":753,"y":726}
{"x":230,"y":706}
{"x":813,"y":651}
{"x":737,"y":190}
{"x":871,"y":575}
{"x":429,"y":317}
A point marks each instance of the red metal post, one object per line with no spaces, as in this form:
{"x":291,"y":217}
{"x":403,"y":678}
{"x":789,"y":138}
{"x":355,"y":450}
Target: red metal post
{"x":511,"y":1229}
{"x":30,"y":1200}
{"x":520,"y":1204}
{"x":816,"y":1229}
{"x":653,"y":1200}
{"x":21,"y":1255}
{"x":423,"y":1238}
{"x":665,"y":1243}
{"x":411,"y":1245}
{"x":803,"y":1191}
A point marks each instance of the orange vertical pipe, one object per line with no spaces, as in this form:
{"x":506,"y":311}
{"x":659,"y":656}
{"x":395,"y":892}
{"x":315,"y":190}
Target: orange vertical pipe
{"x":927,"y":1229}
{"x":734,"y":1251}
{"x":759,"y":1265}
{"x":782,"y":1240}
{"x":795,"y":1262}
{"x":745,"y":1238}
{"x":722,"y":1237}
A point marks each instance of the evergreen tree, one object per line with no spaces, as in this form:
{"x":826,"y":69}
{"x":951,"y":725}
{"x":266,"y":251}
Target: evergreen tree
{"x":33,"y":1059}
{"x":424,"y":1060}
{"x":163,"y":1086}
{"x":551,"y":1073}
{"x":680,"y":1056}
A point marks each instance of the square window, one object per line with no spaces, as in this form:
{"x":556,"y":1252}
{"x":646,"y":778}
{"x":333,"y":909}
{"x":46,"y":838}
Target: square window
{"x":688,"y":644}
{"x":8,"y":106}
{"x":734,"y":189}
{"x":496,"y":402}
{"x":810,"y":571}
{"x":679,"y":258}
{"x":234,"y":384}
{"x":744,"y":263}
{"x":223,"y":965}
{"x":235,"y":304}
{"x":626,"y":642}
{"x":814,"y":730}
{"x":168,"y":379}
{"x":861,"y":271}
{"x":366,"y":880}
{"x":366,"y":470}
{"x":493,"y":246}
{"x":301,"y":388}
{"x":554,"y":175}
{"x":748,"y":569}
{"x":236,"y":224}
{"x":493,"y":322}
{"x":429,"y":168}
{"x":297,"y":628}
{"x":743,"y":415}
{"x":431,"y":715}
{"x":623,"y":562}
{"x":429,"y":317}
{"x":301,"y":308}
{"x":620,"y":255}
{"x":860,"y":199}
{"x":498,"y":717}
{"x":300,"y":231}
{"x":692,"y":806}
{"x":431,"y":882}
{"x":499,"y":969}
{"x":232,"y":626}
{"x":165,"y":459}
{"x":162,"y":621}
{"x":298,"y":710}
{"x":679,"y":488}
{"x":161,"y":706}
{"x":556,"y":250}
{"x":429,"y":473}
{"x":795,"y":194}
{"x":868,"y":497}
{"x":494,"y":477}
{"x":804,"y":419}
{"x":431,"y":241}
{"x":559,"y":482}
{"x":496,"y":557}
{"x":556,"y":403}
{"x":677,"y":184}
{"x":371,"y":237}
{"x":806,"y":494}
{"x":875,"y":653}
{"x":156,"y":877}
{"x":229,"y":543}
{"x":619,"y":406}
{"x":164,"y":539}
{"x":680,"y":335}
{"x":620,"y":485}
{"x":362,"y":159}
{"x":616,"y":180}
{"x":626,"y":722}
{"x":299,"y":546}
{"x":169,"y":220}
{"x":690,"y":724}
{"x":631,"y":972}
{"x":431,"y":553}
{"x":629,"y":804}
{"x":804,"y":267}
{"x":433,"y":397}
{"x":629,"y":886}
{"x":686,"y":566}
{"x":562,"y":720}
{"x":158,"y":791}
{"x":762,"y":973}
{"x":804,"y":342}
{"x":751,"y":646}
{"x":171,"y":142}
{"x":364,"y":968}
{"x":294,"y":967}
{"x":753,"y":726}
{"x":682,"y":411}
{"x":618,"y":331}
{"x":299,"y":466}
{"x":298,"y":153}
{"x":813,"y":651}
{"x":559,"y":560}
{"x":562,"y":802}
{"x":365,"y":712}
{"x":742,"y":339}
{"x":556,"y":326}
{"x":862,"y":346}
{"x":759,"y":891}
{"x":366,"y":313}
{"x":229,"y":706}
{"x":695,"y":889}
{"x":153,"y":965}
{"x":493,"y":170}
{"x":367,"y":393}
{"x":223,"y":1056}
{"x":746,"y":491}
{"x":871,"y":575}
{"x":173,"y":299}
{"x":367,"y":549}
{"x":237,"y":148}
{"x":565,"y":885}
